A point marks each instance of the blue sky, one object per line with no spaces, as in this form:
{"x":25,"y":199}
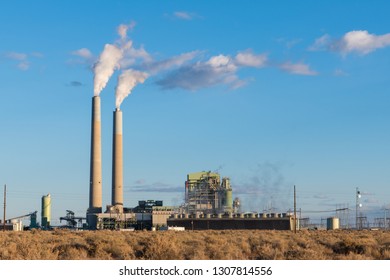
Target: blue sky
{"x":270,"y":95}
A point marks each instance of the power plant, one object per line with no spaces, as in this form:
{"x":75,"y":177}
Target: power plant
{"x":206,"y":194}
{"x":208,"y":202}
{"x":208,"y":199}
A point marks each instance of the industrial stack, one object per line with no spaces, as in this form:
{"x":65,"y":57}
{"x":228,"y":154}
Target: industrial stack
{"x":114,"y":213}
{"x":117,"y":163}
{"x":95,"y":181}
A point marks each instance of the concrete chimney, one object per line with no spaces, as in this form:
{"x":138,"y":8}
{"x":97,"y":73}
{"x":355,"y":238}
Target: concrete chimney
{"x":117,"y":163}
{"x":95,"y":181}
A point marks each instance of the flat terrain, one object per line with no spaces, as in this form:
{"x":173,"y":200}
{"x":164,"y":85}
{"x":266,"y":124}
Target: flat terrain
{"x":196,"y":245}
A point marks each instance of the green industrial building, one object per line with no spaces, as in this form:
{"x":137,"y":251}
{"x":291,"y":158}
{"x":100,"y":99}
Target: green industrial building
{"x":206,"y":193}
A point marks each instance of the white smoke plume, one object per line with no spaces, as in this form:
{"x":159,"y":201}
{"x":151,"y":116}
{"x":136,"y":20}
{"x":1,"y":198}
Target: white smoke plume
{"x":107,"y":63}
{"x":123,"y":28}
{"x":126,"y":82}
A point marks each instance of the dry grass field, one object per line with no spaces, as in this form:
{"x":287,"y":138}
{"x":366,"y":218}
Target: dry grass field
{"x":197,"y":245}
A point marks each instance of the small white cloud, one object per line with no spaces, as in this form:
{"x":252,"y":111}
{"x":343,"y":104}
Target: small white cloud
{"x":168,"y":64}
{"x":298,"y":69}
{"x":83,"y":52}
{"x":249,"y":59}
{"x":24,"y":65}
{"x":340,"y":73}
{"x":288,"y":43}
{"x":357,"y":41}
{"x":16,"y":56}
{"x":361,"y":42}
{"x":183,"y":15}
{"x":37,"y":54}
{"x":22,"y":58}
{"x":321,"y":43}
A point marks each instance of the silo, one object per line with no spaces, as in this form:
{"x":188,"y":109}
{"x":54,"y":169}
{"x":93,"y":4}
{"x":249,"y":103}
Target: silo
{"x":332,"y":223}
{"x":228,"y":201}
{"x":46,"y":211}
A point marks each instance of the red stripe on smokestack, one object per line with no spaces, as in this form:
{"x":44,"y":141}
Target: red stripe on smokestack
{"x":95,"y":188}
{"x":117,"y":162}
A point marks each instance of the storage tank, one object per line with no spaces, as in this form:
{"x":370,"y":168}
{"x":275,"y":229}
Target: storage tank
{"x":332,"y":223}
{"x":46,"y":211}
{"x":228,"y":201}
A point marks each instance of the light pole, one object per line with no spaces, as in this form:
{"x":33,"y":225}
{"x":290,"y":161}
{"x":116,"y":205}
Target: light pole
{"x":358,"y":196}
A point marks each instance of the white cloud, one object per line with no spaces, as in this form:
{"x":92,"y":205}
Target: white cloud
{"x":22,"y":58}
{"x":361,"y":42}
{"x":83,"y":52}
{"x":220,"y":69}
{"x":183,"y":15}
{"x":321,"y":43}
{"x":298,"y":69}
{"x":158,"y":66}
{"x":358,"y":41}
{"x":340,"y":73}
{"x":37,"y":54}
{"x":24,"y":65}
{"x":249,"y":59}
{"x":16,"y":56}
{"x":289,"y":43}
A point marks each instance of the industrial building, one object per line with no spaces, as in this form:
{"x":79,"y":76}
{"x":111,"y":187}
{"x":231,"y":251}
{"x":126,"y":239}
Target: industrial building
{"x":206,"y":193}
{"x":209,"y":204}
{"x":147,"y":215}
{"x":236,"y":221}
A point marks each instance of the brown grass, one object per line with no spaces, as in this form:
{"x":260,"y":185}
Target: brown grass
{"x":196,"y":245}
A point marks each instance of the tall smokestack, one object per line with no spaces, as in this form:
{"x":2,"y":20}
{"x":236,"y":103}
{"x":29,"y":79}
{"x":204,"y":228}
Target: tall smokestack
{"x":117,"y":162}
{"x":95,"y":181}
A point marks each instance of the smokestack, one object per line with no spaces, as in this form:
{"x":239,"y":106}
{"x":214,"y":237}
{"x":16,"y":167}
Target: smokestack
{"x":95,"y":181}
{"x":117,"y":162}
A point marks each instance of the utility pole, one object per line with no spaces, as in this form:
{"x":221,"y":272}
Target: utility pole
{"x":295,"y":211}
{"x":5,"y":204}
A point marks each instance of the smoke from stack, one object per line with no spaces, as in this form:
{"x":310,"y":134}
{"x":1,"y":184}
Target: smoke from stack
{"x":126,"y":82}
{"x":123,"y":28}
{"x":107,"y":63}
